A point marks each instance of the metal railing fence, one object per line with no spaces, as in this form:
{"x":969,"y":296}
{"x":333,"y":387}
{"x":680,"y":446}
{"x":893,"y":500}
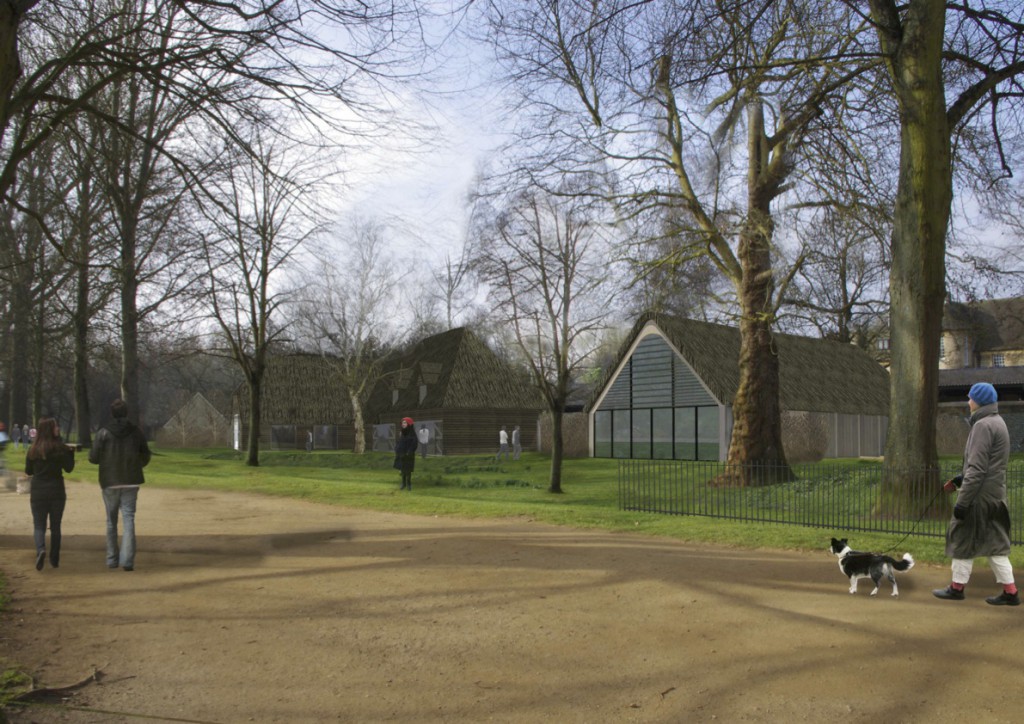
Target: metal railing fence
{"x":852,"y":496}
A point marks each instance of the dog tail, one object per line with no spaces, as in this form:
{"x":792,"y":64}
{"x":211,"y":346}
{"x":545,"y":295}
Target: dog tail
{"x":906,"y":564}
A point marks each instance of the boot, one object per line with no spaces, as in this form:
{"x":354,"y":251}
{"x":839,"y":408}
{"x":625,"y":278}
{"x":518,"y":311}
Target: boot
{"x":948,"y":594}
{"x":1004,"y":599}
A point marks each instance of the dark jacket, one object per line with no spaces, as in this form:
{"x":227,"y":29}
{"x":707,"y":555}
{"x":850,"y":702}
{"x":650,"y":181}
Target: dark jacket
{"x":121,"y":451}
{"x":985,"y":527}
{"x":48,"y":475}
{"x":405,"y":450}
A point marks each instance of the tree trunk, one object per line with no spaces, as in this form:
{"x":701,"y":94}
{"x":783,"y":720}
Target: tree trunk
{"x":252,"y":457}
{"x":21,"y":316}
{"x":83,"y":415}
{"x":756,"y":456}
{"x":917,"y":284}
{"x":130,"y":326}
{"x":557,"y":448}
{"x":39,"y":354}
{"x":10,"y":64}
{"x":359,"y":447}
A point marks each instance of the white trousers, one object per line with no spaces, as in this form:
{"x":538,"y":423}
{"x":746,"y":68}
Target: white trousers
{"x":1000,"y":565}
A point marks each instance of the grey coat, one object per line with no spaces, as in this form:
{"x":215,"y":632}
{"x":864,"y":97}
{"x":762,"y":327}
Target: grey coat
{"x":985,"y":528}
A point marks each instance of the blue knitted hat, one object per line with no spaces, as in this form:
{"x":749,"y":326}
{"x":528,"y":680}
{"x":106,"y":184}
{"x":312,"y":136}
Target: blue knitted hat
{"x":983,"y":393}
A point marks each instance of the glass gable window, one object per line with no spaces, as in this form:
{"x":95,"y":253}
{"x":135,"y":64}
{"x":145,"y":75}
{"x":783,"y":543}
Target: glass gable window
{"x":641,"y":435}
{"x":707,"y":433}
{"x":603,"y":434}
{"x":686,"y":433}
{"x":661,"y":434}
{"x":657,"y":407}
{"x":621,"y":428}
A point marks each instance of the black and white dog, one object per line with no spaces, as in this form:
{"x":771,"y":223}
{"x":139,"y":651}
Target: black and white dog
{"x":856,"y":565}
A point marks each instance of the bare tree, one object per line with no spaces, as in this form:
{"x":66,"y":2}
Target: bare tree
{"x":841,"y":290}
{"x":36,"y":279}
{"x":161,"y":74}
{"x":547,"y":268}
{"x":946,"y":62}
{"x":146,"y":198}
{"x":348,"y":312}
{"x":450,"y":283}
{"x":637,"y":72}
{"x":259,"y":213}
{"x":311,"y":57}
{"x":86,"y":211}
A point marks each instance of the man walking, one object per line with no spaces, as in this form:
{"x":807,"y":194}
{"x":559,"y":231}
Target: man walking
{"x":502,"y":444}
{"x":981,"y":518}
{"x":121,"y":451}
{"x":424,"y":437}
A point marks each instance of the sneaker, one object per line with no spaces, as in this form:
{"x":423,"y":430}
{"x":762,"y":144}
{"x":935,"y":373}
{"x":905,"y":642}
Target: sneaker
{"x":40,"y":560}
{"x":949,"y":594}
{"x":1004,"y":599}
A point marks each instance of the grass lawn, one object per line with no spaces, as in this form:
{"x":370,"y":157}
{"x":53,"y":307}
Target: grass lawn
{"x":478,"y":487}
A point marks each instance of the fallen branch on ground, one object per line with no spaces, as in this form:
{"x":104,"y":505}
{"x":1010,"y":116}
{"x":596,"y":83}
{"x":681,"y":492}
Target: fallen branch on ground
{"x":55,"y":692}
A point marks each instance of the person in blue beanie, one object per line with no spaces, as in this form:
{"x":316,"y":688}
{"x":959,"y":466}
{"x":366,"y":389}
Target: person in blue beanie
{"x":981,"y":518}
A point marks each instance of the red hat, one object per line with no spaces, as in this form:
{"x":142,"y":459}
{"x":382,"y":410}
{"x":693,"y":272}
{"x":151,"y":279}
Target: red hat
{"x":408,"y":421}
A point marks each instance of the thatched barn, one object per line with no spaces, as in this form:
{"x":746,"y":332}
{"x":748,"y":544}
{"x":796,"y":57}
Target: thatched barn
{"x":461,"y":390}
{"x":197,"y":423}
{"x":670,"y":395}
{"x":452,"y":383}
{"x":301,"y":395}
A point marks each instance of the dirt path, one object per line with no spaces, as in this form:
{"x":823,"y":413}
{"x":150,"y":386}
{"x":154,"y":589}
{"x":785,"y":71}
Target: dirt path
{"x":245,"y":608}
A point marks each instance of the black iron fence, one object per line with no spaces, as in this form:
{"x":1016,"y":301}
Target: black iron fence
{"x":850,"y":496}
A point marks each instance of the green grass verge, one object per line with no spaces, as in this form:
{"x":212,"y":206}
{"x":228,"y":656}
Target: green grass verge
{"x":478,"y":487}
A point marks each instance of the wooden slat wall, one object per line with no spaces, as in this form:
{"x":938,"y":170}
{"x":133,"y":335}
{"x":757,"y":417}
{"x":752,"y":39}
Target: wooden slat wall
{"x":466,"y":432}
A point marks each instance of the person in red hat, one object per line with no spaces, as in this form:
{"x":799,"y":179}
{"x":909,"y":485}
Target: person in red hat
{"x":405,"y":452}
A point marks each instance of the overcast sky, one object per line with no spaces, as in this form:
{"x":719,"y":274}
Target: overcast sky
{"x":425,"y":187}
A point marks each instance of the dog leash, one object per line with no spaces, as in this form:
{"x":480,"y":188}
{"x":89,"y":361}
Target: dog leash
{"x":913,"y":527}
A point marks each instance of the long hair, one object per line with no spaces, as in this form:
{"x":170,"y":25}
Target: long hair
{"x":47,"y":441}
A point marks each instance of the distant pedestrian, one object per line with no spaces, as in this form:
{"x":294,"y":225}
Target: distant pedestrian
{"x":981,"y":519}
{"x":31,"y":437}
{"x":502,"y":444}
{"x":121,"y":451}
{"x":46,"y":461}
{"x":16,"y":436}
{"x":424,"y":437}
{"x":405,"y":452}
{"x":309,"y":441}
{"x":517,"y":446}
{"x":3,"y":449}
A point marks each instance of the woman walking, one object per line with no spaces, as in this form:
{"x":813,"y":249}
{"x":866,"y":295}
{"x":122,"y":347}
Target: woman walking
{"x":46,"y":461}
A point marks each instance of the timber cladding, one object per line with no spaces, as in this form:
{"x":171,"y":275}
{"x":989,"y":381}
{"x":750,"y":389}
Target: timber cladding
{"x":452,"y":378}
{"x":468,"y":432}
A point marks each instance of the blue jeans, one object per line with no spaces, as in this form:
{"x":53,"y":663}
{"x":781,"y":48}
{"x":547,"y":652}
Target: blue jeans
{"x":123,"y":500}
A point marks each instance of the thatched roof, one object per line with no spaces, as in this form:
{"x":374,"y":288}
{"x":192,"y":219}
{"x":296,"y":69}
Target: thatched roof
{"x":197,"y":409}
{"x":299,"y":389}
{"x":993,"y":325}
{"x":459,"y":371}
{"x":816,"y":375}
